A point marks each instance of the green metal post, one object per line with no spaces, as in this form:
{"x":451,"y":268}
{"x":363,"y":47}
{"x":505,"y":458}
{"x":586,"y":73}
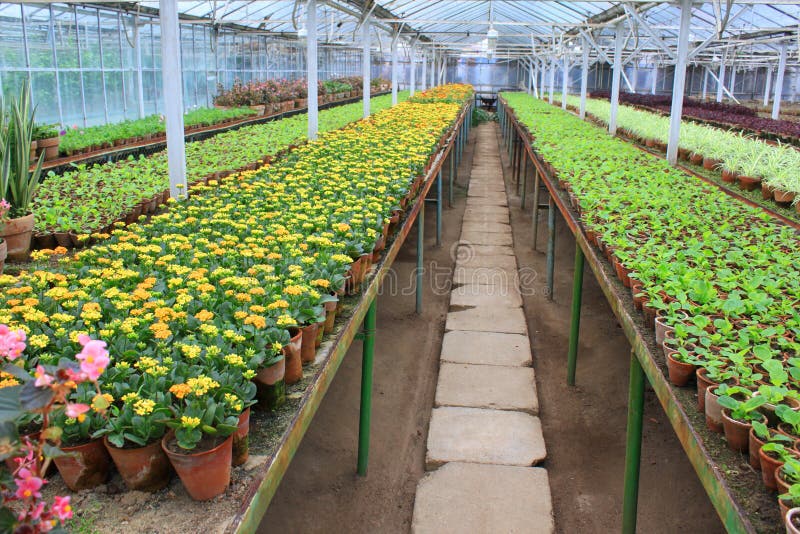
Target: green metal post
{"x":524,"y":177}
{"x":368,"y":353}
{"x":439,"y":208}
{"x":451,"y":173}
{"x":420,"y":247}
{"x":633,"y":447}
{"x":574,"y":332}
{"x":551,"y":245}
{"x":535,"y":215}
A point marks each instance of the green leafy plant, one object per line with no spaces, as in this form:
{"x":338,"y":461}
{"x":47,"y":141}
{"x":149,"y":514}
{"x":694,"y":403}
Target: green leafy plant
{"x":17,"y":183}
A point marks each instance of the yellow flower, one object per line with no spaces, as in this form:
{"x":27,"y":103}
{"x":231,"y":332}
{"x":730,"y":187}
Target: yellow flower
{"x":189,"y":422}
{"x":180,"y":390}
{"x":256,"y":320}
{"x":204,"y":315}
{"x":144,"y":407}
{"x":293,"y":290}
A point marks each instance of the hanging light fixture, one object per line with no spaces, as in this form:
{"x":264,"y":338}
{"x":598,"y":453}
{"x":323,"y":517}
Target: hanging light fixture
{"x":491,"y":35}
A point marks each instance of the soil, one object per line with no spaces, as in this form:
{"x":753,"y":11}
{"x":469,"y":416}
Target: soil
{"x":205,"y":444}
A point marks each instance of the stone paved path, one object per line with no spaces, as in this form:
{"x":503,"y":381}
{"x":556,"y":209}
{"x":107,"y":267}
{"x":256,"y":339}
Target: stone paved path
{"x":485,"y":438}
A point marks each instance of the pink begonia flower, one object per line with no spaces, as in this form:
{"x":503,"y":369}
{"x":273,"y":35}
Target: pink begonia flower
{"x":12,"y":342}
{"x":62,"y":508}
{"x":42,"y":378}
{"x":76,"y":410}
{"x":36,"y":513}
{"x":28,"y":485}
{"x":94,"y":356}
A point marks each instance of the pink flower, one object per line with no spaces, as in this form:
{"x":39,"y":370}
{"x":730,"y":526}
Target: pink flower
{"x":94,"y":356}
{"x":42,"y":378}
{"x":76,"y":411}
{"x":12,"y":342}
{"x":62,"y":508}
{"x":28,"y":485}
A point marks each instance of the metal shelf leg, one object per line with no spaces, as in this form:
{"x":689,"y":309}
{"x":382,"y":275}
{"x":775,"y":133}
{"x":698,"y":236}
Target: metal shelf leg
{"x":366,"y":387}
{"x":633,"y":449}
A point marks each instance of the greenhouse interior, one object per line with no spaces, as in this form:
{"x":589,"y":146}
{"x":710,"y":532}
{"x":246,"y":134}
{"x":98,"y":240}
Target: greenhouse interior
{"x":458,"y":266}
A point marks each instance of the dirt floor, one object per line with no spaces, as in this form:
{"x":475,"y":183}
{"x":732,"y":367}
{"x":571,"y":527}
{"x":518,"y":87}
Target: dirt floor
{"x":584,"y":426}
{"x":321,"y":492}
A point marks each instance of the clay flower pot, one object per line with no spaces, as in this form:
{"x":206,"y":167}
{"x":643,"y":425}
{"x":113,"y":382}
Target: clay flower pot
{"x":781,"y":482}
{"x":330,"y":314}
{"x":142,"y":468}
{"x":240,"y":448}
{"x":737,"y":433}
{"x":662,"y":328}
{"x":17,"y":235}
{"x":784,"y":196}
{"x":792,"y":521}
{"x":749,"y":183}
{"x":768,"y":467}
{"x":754,"y":445}
{"x":703,"y":383}
{"x":713,"y":412}
{"x":320,"y":334}
{"x":309,"y":340}
{"x":270,"y":385}
{"x":3,"y":254}
{"x":204,"y":473}
{"x":679,"y":372}
{"x":85,"y":466}
{"x":291,"y":352}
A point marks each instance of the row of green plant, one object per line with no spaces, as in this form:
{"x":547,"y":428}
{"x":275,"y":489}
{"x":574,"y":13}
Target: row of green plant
{"x":777,"y":165}
{"x":89,"y":198}
{"x":721,"y":277}
{"x":76,"y":139}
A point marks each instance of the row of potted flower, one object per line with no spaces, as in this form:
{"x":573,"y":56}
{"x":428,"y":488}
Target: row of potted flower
{"x":214,"y":304}
{"x":76,"y":140}
{"x":71,"y":206}
{"x":716,"y":280}
{"x":752,"y":163}
{"x":270,"y":97}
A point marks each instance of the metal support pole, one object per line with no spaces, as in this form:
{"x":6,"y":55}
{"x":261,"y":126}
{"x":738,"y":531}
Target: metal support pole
{"x":721,"y":80}
{"x":543,"y":77}
{"x":424,"y":68}
{"x":633,"y":447}
{"x":654,"y":79}
{"x":420,"y":254}
{"x":565,"y":83}
{"x":524,"y":178}
{"x":394,"y":69}
{"x":368,"y":353}
{"x":584,"y":76}
{"x":679,"y":83}
{"x":535,"y":214}
{"x":767,"y":86}
{"x":574,"y":332}
{"x":413,"y":73}
{"x":439,"y":208}
{"x":451,"y":172}
{"x":173,"y":97}
{"x":552,"y":81}
{"x":312,"y":69}
{"x":705,"y":84}
{"x":551,"y":245}
{"x":776,"y":102}
{"x":365,"y":65}
{"x":618,"y":44}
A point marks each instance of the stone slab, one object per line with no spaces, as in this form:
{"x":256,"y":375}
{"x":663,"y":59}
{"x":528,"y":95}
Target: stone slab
{"x":481,"y":295}
{"x":486,"y":238}
{"x":486,"y":210}
{"x":484,"y":436}
{"x":469,"y":259}
{"x":483,"y":201}
{"x":465,"y":498}
{"x":497,"y":196}
{"x":487,"y":386}
{"x":498,"y":217}
{"x":488,"y":187}
{"x":483,"y":250}
{"x":501,"y":278}
{"x":488,"y":319}
{"x":490,"y":227}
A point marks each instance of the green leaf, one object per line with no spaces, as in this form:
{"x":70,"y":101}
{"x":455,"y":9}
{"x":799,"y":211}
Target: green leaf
{"x":33,"y":398}
{"x":10,"y":407}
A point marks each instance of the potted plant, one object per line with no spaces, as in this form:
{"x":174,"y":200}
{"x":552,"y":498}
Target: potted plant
{"x":737,"y":418}
{"x":772,"y":456}
{"x":17,"y":183}
{"x":47,"y":139}
{"x":789,"y":500}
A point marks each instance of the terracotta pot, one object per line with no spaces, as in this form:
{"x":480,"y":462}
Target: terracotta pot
{"x":769,"y":410}
{"x":696,"y":159}
{"x":270,"y":385}
{"x":768,"y":467}
{"x":17,"y":235}
{"x":142,"y":468}
{"x":204,"y":474}
{"x":767,"y":191}
{"x":713,"y":412}
{"x":754,"y":444}
{"x":63,"y":239}
{"x":662,"y":328}
{"x":308,"y":347}
{"x":240,"y":448}
{"x":330,"y":315}
{"x":737,"y":433}
{"x":784,"y":196}
{"x":44,"y":240}
{"x":710,"y":164}
{"x":679,"y":372}
{"x":3,"y":254}
{"x":749,"y":183}
{"x":792,"y":521}
{"x":294,"y":365}
{"x":320,"y":334}
{"x":622,"y":272}
{"x":85,"y":466}
{"x":781,"y":482}
{"x":703,"y":383}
